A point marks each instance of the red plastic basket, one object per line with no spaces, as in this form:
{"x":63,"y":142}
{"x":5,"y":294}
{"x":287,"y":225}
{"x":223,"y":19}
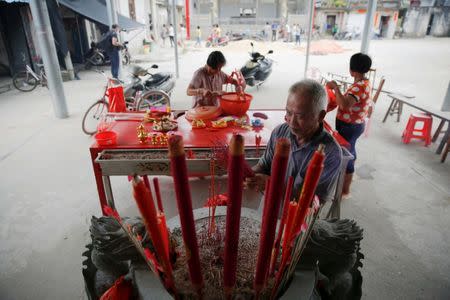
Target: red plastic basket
{"x":235,"y":104}
{"x":106,"y":138}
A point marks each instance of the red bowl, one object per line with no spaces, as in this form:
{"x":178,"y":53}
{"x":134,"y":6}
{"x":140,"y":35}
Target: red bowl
{"x":235,"y":104}
{"x":106,"y":138}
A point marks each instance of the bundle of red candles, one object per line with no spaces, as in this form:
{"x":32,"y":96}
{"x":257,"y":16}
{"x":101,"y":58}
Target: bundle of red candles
{"x":294,"y":214}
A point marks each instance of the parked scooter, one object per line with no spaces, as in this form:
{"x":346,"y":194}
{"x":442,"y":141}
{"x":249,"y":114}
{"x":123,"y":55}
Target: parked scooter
{"x":98,"y":57}
{"x":257,"y":69}
{"x":223,"y":41}
{"x":161,"y":81}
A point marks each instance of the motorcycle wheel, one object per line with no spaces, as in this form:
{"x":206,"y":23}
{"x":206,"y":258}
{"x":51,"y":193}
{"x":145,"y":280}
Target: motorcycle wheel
{"x":153,"y":99}
{"x":93,"y":115}
{"x":97,"y":59}
{"x":24,"y":81}
{"x":125,"y":59}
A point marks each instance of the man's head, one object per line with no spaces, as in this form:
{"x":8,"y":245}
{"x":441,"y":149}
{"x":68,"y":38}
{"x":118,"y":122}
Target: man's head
{"x":115,"y":27}
{"x":360,"y":63}
{"x":215,"y":62}
{"x":305,"y":108}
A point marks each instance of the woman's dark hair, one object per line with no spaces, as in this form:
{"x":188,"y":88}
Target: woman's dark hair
{"x":215,"y":59}
{"x":360,"y":63}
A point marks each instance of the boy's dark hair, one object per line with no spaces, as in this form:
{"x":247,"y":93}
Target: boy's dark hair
{"x":114,"y":26}
{"x":360,"y":63}
{"x":198,"y":27}
{"x":215,"y":59}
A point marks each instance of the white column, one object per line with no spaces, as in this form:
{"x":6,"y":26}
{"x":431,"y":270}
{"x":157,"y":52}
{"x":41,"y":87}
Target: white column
{"x":368,"y":26}
{"x":47,"y":48}
{"x":310,"y":28}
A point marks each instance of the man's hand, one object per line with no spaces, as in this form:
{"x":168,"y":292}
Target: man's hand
{"x":257,"y":182}
{"x":332,"y":85}
{"x":203,"y":92}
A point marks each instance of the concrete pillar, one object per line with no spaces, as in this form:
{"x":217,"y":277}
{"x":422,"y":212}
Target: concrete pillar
{"x":155,"y":20}
{"x":283,"y":10}
{"x":47,"y":48}
{"x":368,"y":26}
{"x":215,"y":12}
{"x":174,"y":18}
{"x":310,"y":28}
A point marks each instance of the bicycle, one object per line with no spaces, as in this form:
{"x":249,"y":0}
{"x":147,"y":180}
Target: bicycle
{"x":141,"y":102}
{"x":27,"y":80}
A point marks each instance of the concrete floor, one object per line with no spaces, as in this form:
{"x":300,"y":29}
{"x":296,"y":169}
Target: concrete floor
{"x":401,"y":195}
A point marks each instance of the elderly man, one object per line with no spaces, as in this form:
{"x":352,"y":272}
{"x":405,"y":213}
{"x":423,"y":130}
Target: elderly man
{"x":305,"y":111}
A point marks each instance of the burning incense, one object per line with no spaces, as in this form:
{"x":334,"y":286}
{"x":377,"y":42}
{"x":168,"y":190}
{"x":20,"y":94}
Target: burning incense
{"x":235,"y":188}
{"x":271,"y":209}
{"x":178,"y":169}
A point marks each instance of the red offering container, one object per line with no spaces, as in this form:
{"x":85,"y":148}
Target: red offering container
{"x":235,"y":104}
{"x":106,"y":138}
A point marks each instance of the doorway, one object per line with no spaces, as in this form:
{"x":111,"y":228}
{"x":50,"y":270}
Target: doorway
{"x":384,"y":25}
{"x":331,"y":22}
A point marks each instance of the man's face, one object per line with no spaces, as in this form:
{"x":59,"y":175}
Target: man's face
{"x":300,"y":116}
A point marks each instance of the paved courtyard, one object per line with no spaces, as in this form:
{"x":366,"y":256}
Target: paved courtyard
{"x":401,"y":196}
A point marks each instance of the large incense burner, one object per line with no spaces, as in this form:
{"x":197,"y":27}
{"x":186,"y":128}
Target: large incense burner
{"x":219,"y":252}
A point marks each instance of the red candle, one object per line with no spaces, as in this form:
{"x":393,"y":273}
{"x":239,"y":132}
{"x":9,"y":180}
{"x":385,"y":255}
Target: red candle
{"x":235,"y":188}
{"x":158,"y":194}
{"x":271,"y":208}
{"x":178,"y":169}
{"x":147,"y":209}
{"x":310,"y":183}
{"x":287,"y":199}
{"x":164,"y":232}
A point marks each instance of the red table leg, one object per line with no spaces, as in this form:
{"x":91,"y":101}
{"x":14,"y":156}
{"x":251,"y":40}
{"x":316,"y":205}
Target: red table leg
{"x":98,"y":179}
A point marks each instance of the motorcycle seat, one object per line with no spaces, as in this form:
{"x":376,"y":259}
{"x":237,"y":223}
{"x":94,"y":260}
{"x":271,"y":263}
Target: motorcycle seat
{"x":157,"y":79}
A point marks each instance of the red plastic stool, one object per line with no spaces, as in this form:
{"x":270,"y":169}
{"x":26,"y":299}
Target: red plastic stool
{"x":424,"y":133}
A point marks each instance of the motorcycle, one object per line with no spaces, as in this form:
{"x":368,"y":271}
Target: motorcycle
{"x":223,"y":41}
{"x":161,"y":81}
{"x":98,"y":57}
{"x":257,"y":69}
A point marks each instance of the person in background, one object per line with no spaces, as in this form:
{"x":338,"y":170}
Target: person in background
{"x":171,"y":32}
{"x":274,"y":31}
{"x":288,"y":33}
{"x":113,"y":50}
{"x":303,"y":127}
{"x":198,"y":36}
{"x":182,"y":34}
{"x":297,"y":34}
{"x":353,"y":107}
{"x":267,"y":30}
{"x":206,"y":84}
{"x":164,"y":34}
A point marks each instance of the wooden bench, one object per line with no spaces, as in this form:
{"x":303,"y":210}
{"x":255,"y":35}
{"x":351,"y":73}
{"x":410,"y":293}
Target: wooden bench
{"x":396,"y":108}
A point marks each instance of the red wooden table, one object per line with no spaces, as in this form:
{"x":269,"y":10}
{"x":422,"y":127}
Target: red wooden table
{"x":193,"y":139}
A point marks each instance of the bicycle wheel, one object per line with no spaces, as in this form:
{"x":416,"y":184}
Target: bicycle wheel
{"x":93,"y":115}
{"x":153,"y":99}
{"x":24,"y":81}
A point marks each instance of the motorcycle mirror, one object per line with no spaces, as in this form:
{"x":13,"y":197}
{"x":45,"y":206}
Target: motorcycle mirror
{"x":270,"y":52}
{"x":251,"y":44}
{"x":154,"y":66}
{"x":125,"y":43}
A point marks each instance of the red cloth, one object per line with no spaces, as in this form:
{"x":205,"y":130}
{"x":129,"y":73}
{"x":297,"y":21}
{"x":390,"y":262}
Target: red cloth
{"x":121,"y":290}
{"x":116,"y":99}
